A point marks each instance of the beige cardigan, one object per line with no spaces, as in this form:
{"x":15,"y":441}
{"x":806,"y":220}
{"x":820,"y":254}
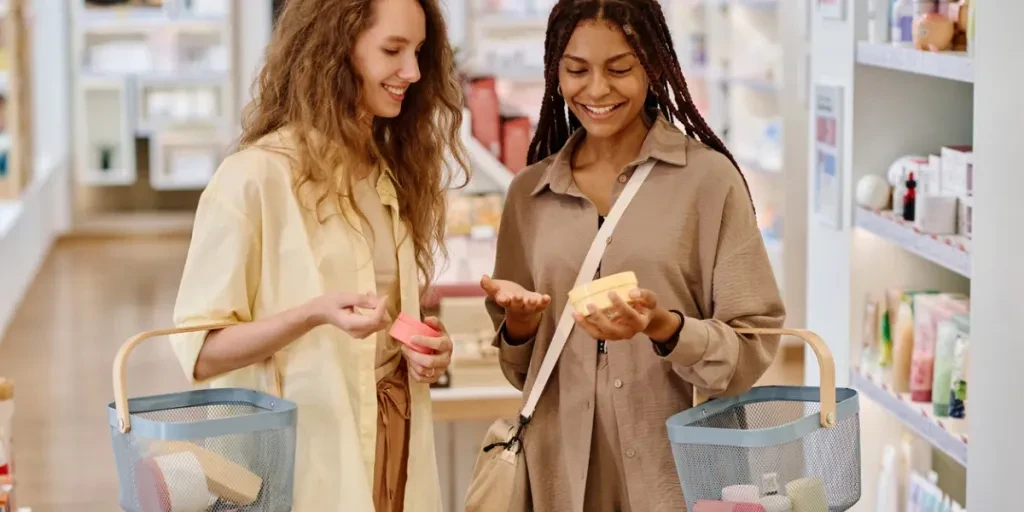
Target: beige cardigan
{"x":691,"y":237}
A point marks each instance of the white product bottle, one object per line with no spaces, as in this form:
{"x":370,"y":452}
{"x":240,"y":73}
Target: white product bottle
{"x":878,"y":21}
{"x":902,"y":22}
{"x":888,"y":483}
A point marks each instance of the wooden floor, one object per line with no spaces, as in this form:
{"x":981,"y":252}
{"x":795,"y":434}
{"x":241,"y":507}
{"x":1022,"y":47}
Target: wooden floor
{"x":90,"y":296}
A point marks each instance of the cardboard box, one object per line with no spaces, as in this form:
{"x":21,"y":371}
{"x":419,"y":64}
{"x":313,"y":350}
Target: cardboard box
{"x":965,"y":216}
{"x":957,"y":170}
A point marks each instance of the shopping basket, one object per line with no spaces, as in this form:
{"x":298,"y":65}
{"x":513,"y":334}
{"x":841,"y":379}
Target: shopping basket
{"x":205,"y":450}
{"x":774,"y":445}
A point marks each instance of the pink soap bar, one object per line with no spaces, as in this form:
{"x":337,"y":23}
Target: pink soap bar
{"x":405,"y":327}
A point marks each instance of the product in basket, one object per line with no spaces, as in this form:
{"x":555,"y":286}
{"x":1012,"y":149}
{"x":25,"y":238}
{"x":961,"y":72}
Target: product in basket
{"x":726,"y":506}
{"x":741,"y":493}
{"x":596,"y":292}
{"x":172,"y":483}
{"x":224,"y":478}
{"x":807,"y":495}
{"x":776,"y":503}
{"x":406,"y":327}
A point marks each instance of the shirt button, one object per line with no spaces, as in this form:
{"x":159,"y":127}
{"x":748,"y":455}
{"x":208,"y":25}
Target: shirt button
{"x":622,"y":178}
{"x":631,"y":453}
{"x":586,"y":405}
{"x":608,"y":241}
{"x":618,"y":383}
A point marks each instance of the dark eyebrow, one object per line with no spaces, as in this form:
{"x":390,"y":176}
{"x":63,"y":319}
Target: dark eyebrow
{"x":581,"y":60}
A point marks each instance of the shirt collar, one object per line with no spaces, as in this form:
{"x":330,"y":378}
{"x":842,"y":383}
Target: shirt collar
{"x":664,"y":142}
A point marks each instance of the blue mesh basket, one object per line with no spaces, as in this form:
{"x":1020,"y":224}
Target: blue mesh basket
{"x":204,"y":450}
{"x":774,"y":445}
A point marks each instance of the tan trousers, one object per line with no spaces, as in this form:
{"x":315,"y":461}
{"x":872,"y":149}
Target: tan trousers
{"x":393,"y":412}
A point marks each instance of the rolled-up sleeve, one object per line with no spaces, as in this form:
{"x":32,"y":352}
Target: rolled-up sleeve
{"x":221,"y":273}
{"x":710,"y":354}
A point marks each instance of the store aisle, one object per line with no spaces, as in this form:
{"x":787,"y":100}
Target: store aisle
{"x":89,"y":297}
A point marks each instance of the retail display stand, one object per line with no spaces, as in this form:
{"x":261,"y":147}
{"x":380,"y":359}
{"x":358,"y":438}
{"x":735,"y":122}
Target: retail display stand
{"x":15,"y":99}
{"x":904,"y":101}
{"x":165,"y":72}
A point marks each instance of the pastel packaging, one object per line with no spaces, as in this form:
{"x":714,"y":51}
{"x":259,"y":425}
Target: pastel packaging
{"x":406,"y":327}
{"x":596,"y":292}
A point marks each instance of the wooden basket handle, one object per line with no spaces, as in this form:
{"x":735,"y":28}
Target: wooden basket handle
{"x":121,"y":360}
{"x":826,"y":365}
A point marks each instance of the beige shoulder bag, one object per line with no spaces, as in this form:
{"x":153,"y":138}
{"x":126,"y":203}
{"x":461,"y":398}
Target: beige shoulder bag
{"x":499,"y":477}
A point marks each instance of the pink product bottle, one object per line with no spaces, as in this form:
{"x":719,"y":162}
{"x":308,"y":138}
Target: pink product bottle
{"x":485,"y":112}
{"x":929,"y":311}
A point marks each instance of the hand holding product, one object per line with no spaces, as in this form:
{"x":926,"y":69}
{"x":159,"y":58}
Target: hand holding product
{"x":426,"y":346}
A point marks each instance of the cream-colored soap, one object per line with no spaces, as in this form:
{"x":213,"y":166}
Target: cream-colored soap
{"x":596,"y":292}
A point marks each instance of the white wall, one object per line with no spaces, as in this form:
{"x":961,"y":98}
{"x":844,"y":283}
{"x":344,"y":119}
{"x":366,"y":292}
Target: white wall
{"x":997,"y":351}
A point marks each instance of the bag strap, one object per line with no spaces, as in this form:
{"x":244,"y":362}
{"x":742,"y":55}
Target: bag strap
{"x":587,"y":271}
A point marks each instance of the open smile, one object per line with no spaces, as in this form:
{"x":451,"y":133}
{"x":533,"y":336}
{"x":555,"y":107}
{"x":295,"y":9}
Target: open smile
{"x":599,"y":112}
{"x":396,"y":93}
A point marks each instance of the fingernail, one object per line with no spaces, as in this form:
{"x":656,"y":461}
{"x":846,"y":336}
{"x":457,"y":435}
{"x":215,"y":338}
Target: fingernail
{"x":635,"y":294}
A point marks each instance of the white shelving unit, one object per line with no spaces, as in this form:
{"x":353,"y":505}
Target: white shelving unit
{"x":949,"y":251}
{"x":738,"y":57}
{"x":163,"y":73}
{"x":946,"y":434}
{"x":949,"y":65}
{"x":896,"y":102}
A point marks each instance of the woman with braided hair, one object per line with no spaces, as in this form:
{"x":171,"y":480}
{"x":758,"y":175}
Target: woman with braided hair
{"x":614,"y":97}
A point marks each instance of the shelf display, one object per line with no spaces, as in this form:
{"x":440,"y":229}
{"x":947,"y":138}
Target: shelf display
{"x":16,"y":145}
{"x":164,"y":67}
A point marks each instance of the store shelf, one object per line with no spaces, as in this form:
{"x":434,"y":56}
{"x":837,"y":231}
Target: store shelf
{"x":947,"y":435}
{"x":949,"y":251}
{"x":949,"y":65}
{"x":485,"y":162}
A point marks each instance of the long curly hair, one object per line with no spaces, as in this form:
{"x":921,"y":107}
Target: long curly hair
{"x":309,"y":84}
{"x":646,"y":31}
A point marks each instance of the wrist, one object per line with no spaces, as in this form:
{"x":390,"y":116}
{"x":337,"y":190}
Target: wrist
{"x":310,"y":316}
{"x":664,"y":324}
{"x":520,"y":330}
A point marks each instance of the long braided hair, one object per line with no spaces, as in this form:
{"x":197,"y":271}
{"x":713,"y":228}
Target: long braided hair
{"x":646,"y":31}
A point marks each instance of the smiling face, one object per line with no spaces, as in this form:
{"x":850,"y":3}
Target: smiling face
{"x":386,"y":55}
{"x":601,"y":78}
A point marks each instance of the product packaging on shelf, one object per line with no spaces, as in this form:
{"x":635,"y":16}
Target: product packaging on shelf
{"x":485,"y":113}
{"x":929,"y":310}
{"x":515,"y":142}
{"x":903,"y":339}
{"x":945,"y":345}
{"x":957,"y":171}
{"x":958,"y":377}
{"x":6,"y":445}
{"x":965,"y":216}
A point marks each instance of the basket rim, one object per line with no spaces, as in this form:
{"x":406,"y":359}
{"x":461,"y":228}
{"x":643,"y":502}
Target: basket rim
{"x":681,"y":431}
{"x":275,"y":414}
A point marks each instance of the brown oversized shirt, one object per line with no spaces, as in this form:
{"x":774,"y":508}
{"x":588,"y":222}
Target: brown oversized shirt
{"x":691,"y":237}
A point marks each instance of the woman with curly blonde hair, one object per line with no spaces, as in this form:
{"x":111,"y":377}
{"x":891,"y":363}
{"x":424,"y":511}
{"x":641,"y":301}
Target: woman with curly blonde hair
{"x":321,"y":229}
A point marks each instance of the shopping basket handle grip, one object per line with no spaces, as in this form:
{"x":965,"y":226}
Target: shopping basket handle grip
{"x":826,"y":365}
{"x":121,"y":360}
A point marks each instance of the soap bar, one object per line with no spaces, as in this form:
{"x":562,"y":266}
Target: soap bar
{"x":172,"y":483}
{"x":406,"y":327}
{"x":224,"y":478}
{"x":596,"y":292}
{"x":807,"y":495}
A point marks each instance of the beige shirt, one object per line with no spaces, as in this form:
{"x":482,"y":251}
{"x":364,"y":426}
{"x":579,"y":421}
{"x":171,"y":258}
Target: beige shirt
{"x":691,"y":237}
{"x":379,"y":235}
{"x":257,"y":250}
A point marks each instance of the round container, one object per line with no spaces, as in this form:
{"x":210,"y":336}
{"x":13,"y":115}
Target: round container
{"x":596,"y":292}
{"x":406,"y":327}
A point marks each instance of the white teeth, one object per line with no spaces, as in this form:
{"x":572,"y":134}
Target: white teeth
{"x":394,"y":90}
{"x":600,"y":110}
